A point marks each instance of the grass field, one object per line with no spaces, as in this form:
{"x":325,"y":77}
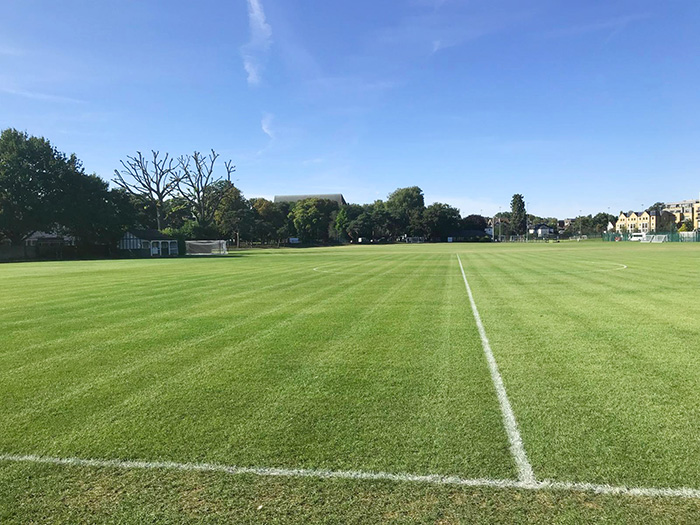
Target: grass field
{"x":349,"y":362}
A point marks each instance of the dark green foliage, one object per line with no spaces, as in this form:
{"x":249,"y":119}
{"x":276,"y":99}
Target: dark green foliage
{"x":518,"y":221}
{"x":42,"y":189}
{"x":441,"y":220}
{"x":405,"y":207}
{"x":474,"y":223}
{"x":312,"y":219}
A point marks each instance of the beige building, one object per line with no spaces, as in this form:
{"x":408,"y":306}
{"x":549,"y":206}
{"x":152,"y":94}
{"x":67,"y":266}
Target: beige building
{"x":684,"y":210}
{"x":637,"y":222}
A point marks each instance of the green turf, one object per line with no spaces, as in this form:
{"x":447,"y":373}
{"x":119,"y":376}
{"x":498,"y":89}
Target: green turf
{"x":354,"y":358}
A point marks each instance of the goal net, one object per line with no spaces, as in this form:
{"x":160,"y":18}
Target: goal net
{"x":206,"y":247}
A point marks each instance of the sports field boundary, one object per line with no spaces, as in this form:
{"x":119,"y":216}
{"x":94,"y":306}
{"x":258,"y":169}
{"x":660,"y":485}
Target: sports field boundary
{"x":432,"y":479}
{"x":517,"y":448}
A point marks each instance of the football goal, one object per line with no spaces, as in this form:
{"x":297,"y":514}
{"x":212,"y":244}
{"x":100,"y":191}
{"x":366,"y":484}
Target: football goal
{"x":206,"y":247}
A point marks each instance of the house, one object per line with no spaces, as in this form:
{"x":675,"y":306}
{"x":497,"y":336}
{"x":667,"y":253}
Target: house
{"x":47,"y":238}
{"x":684,"y":210}
{"x":149,"y":243}
{"x":337,"y":197}
{"x":637,"y":221}
{"x":541,"y":231}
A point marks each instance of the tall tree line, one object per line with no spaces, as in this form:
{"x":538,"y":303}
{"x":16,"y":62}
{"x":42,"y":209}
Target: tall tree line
{"x":193,"y":196}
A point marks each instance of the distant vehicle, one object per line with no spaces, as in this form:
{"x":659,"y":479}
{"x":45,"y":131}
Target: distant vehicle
{"x":637,"y":237}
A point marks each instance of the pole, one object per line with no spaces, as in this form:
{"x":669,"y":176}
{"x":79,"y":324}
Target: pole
{"x":527,"y":224}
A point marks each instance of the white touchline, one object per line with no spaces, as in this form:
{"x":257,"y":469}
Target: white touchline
{"x":525,"y":473}
{"x":434,"y":479}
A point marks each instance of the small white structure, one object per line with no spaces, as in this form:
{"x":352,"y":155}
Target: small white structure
{"x":149,"y":243}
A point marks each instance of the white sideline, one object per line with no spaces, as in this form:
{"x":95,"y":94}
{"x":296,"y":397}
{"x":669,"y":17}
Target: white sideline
{"x":433,"y":479}
{"x":517,"y":449}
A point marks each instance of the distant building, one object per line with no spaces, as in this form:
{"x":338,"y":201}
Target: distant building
{"x":637,"y":221}
{"x":47,"y":238}
{"x":337,"y":197}
{"x":687,"y":210}
{"x":541,"y":231}
{"x":149,"y":243}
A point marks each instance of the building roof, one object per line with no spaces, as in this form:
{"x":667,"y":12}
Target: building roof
{"x":337,"y":197}
{"x":151,"y":235}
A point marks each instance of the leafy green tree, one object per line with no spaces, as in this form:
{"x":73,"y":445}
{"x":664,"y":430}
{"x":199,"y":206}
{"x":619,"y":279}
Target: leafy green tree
{"x":102,"y":216}
{"x":42,"y":189}
{"x":405,"y":207}
{"x":518,"y":216}
{"x":474,"y":223}
{"x":441,"y":220}
{"x":361,"y":226}
{"x":687,"y":226}
{"x":342,"y":221}
{"x":312,"y":218}
{"x":233,"y":214}
{"x":28,"y":169}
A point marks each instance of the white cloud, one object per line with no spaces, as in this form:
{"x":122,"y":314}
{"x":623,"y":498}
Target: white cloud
{"x":266,"y":125}
{"x":260,"y":41}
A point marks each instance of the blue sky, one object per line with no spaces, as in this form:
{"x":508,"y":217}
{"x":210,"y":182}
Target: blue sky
{"x":579,"y":105}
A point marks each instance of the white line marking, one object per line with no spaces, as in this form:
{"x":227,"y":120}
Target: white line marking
{"x":517,"y":449}
{"x":434,"y":479}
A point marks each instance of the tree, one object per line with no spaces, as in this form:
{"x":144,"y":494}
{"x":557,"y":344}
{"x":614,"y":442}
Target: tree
{"x":28,"y":166}
{"x":342,"y":221}
{"x":312,"y":218}
{"x":405,"y":207}
{"x":153,"y":183}
{"x":354,"y":221}
{"x":42,"y":189}
{"x":441,"y":220}
{"x":233,"y":213}
{"x":474,"y":223}
{"x":102,"y":216}
{"x":197,"y":184}
{"x":518,"y":221}
{"x":687,"y":226}
{"x":600,"y":222}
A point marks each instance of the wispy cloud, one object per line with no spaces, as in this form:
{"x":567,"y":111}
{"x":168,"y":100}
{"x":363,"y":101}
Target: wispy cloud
{"x":254,"y":51}
{"x":266,"y":125}
{"x":40,"y":96}
{"x":613,"y":26}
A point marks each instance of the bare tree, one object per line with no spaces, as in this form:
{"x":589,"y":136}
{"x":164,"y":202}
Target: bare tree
{"x":154,"y":182}
{"x":199,"y":186}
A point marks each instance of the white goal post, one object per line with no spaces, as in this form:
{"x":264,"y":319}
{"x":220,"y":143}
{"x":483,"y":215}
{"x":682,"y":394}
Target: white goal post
{"x":206,"y":247}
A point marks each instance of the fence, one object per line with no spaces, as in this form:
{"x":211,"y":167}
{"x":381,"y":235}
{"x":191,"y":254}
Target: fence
{"x":653,"y":237}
